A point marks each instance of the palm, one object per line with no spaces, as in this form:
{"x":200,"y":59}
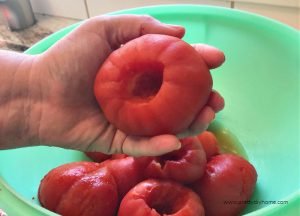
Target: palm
{"x":72,"y":101}
{"x":69,"y":70}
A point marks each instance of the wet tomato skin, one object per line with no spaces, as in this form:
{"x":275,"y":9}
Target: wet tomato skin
{"x":94,"y":194}
{"x":184,"y":165}
{"x":227,"y":178}
{"x":58,"y":181}
{"x":88,"y":188}
{"x":127,"y":172}
{"x":159,"y":197}
{"x":155,"y":84}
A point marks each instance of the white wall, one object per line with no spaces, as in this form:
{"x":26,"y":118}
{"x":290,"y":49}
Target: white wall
{"x":66,"y":8}
{"x":96,"y":7}
{"x":285,"y":11}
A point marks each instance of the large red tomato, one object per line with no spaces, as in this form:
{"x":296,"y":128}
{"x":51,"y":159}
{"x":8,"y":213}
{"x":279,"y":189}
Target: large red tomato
{"x":227,"y":185}
{"x":157,"y":197}
{"x":58,"y":181}
{"x":153,"y":85}
{"x":79,"y":189}
{"x":93,"y":195}
{"x":88,"y":188}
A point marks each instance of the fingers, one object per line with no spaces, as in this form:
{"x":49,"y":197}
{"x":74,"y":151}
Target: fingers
{"x":114,"y":141}
{"x":211,"y":55}
{"x":201,"y":123}
{"x":118,"y":142}
{"x":123,"y":28}
{"x":206,"y":115}
{"x":154,"y":146}
{"x":216,"y":101}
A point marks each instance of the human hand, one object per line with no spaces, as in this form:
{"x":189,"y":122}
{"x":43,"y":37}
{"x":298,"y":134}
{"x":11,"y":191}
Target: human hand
{"x":68,"y":113}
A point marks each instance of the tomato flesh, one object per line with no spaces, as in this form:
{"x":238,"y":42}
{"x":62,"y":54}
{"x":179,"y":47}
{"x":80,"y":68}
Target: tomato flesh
{"x":157,"y":197}
{"x":155,"y":84}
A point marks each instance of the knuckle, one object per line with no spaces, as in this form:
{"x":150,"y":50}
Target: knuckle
{"x":148,"y":18}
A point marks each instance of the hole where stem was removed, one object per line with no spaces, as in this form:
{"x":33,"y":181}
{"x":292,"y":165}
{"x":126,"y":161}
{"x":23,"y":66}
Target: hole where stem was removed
{"x":146,"y":80}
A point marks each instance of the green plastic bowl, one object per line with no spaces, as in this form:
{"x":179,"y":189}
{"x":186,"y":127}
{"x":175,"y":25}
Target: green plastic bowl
{"x":260,"y":83}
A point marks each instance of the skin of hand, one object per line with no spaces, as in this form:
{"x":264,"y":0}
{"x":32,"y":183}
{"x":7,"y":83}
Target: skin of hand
{"x":54,"y":90}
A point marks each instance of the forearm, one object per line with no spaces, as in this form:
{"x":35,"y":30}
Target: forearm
{"x":16,"y":103}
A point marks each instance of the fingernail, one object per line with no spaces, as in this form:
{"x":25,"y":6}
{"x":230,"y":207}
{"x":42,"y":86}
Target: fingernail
{"x":178,"y":146}
{"x":208,"y":114}
{"x":205,"y":127}
{"x":180,"y":30}
{"x":175,"y":26}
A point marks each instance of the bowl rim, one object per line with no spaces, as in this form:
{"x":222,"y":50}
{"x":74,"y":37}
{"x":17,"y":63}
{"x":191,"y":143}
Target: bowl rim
{"x":234,"y":13}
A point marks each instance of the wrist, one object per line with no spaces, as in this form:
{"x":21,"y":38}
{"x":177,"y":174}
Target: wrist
{"x":17,"y":126}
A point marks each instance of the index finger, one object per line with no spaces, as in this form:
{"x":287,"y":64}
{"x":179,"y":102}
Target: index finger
{"x":123,"y":28}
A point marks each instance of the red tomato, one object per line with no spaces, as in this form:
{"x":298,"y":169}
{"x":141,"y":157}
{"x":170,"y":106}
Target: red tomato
{"x":157,"y":197}
{"x":227,"y":178}
{"x":93,"y":195}
{"x":210,"y":144}
{"x":185,"y":165}
{"x":59,"y":180}
{"x":79,"y":188}
{"x":152,"y":85}
{"x":127,"y":173}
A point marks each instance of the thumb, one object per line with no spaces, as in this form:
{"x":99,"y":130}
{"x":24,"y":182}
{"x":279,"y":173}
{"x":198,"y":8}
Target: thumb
{"x":120,"y":29}
{"x":211,"y":55}
{"x":154,"y":146}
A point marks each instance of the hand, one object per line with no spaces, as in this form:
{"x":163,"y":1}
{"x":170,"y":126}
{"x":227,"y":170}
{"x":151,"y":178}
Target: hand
{"x":69,"y":114}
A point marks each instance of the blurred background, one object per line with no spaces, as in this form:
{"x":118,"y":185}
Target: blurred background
{"x":25,"y":22}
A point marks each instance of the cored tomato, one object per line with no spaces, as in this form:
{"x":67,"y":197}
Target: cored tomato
{"x":155,"y":84}
{"x":157,"y":197}
{"x":185,"y":165}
